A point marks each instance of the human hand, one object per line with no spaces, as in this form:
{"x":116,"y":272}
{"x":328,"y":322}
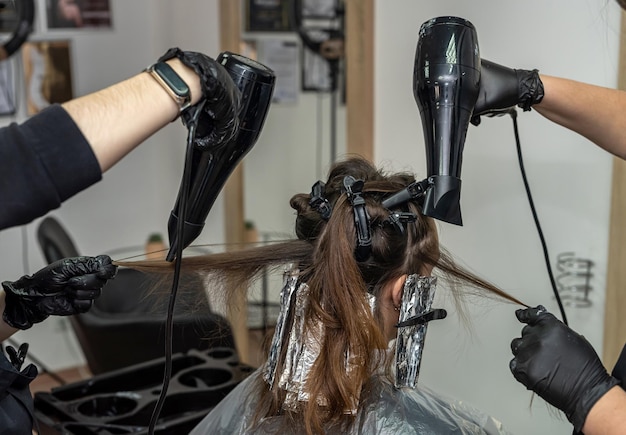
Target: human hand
{"x":503,"y":88}
{"x":65,"y":287}
{"x":558,"y":364}
{"x":218,"y":120}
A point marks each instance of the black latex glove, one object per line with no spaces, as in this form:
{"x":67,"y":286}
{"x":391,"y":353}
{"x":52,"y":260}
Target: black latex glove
{"x":559,"y":365}
{"x":503,"y":88}
{"x":63,"y":288}
{"x":219,"y":106}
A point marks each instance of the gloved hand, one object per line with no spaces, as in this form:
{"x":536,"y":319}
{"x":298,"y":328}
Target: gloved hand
{"x":219,"y":106}
{"x":503,"y":88}
{"x":559,"y":365}
{"x":63,"y":288}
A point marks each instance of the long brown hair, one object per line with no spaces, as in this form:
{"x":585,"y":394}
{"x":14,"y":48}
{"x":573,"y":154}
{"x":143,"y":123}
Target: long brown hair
{"x":338,"y":285}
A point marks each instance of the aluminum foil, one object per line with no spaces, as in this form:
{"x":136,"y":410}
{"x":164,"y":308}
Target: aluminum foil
{"x":303,"y":344}
{"x":417,"y":299}
{"x":290,"y":280}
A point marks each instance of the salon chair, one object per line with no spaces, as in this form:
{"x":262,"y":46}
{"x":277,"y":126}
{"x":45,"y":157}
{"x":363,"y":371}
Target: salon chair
{"x":126,"y":324}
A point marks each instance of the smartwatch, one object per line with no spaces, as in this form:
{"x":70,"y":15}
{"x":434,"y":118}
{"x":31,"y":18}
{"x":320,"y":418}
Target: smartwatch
{"x":172,"y":83}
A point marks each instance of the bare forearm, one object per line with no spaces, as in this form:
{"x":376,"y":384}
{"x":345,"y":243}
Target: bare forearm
{"x":5,"y":330}
{"x":608,"y":415}
{"x":116,"y":119}
{"x":595,"y":112}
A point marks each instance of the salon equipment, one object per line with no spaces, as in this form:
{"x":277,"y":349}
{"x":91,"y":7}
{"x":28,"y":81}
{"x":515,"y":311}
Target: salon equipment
{"x":210,"y":168}
{"x":120,"y":402}
{"x":446,"y":80}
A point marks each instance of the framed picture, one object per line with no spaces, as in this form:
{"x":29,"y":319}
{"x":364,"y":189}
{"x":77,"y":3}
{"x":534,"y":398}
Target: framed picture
{"x":75,"y":14}
{"x":268,"y":16}
{"x":7,"y":87}
{"x":316,"y":74}
{"x":319,"y":9}
{"x":8,"y":17}
{"x":47,"y":74}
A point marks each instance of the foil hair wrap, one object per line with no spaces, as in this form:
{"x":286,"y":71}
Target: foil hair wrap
{"x":303,"y":345}
{"x":290,"y":280}
{"x":417,"y":299}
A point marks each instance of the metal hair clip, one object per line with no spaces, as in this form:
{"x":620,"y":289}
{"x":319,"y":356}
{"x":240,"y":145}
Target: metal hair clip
{"x":354,"y":189}
{"x":415,"y":190}
{"x":318,"y":201}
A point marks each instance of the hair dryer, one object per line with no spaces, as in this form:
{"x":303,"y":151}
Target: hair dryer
{"x":211,"y":168}
{"x":446,"y":81}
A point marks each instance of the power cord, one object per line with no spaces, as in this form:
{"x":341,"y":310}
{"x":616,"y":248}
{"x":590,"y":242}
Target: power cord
{"x":169,"y":324}
{"x":513,"y":114}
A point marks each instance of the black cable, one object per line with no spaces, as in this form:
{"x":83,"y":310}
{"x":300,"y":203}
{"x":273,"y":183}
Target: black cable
{"x":169,"y":324}
{"x":513,"y":114}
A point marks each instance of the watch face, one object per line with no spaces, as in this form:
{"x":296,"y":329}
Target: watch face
{"x":172,"y":83}
{"x":172,"y":79}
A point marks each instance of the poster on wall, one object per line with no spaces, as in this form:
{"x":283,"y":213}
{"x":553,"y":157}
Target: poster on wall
{"x":8,"y":17}
{"x":76,"y":14}
{"x":7,"y":87}
{"x":319,"y":9}
{"x":47,"y":74}
{"x":268,"y":16}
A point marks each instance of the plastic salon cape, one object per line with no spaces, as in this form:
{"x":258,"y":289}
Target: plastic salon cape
{"x":386,"y":411}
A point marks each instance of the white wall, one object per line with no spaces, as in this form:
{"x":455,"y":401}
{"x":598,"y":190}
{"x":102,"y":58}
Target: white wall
{"x":569,"y":178}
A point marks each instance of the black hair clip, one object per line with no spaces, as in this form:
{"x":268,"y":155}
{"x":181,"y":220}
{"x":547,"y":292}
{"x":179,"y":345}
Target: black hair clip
{"x":399,"y":219}
{"x":354,"y":189}
{"x":415,"y":190}
{"x":424,"y":318}
{"x":318,"y":201}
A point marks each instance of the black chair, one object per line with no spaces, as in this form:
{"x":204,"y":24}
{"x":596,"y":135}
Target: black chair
{"x":126,"y":324}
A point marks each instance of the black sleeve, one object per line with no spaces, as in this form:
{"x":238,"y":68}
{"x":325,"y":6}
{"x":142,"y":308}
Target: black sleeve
{"x":16,"y":402}
{"x":43,"y":162}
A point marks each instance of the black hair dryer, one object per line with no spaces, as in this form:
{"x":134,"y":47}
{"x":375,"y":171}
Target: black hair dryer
{"x":446,"y":81}
{"x":211,"y":168}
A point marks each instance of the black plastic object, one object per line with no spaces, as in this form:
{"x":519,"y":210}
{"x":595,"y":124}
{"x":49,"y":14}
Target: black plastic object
{"x":23,"y":27}
{"x":122,"y":401}
{"x":211,"y":168}
{"x":446,"y":81}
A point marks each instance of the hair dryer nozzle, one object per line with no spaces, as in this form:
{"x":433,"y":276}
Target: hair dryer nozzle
{"x":442,"y":199}
{"x":446,"y":81}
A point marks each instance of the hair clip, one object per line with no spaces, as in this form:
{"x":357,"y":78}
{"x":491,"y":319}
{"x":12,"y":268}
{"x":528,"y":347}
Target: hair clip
{"x":354,"y":190}
{"x":415,"y":190}
{"x":399,"y":219}
{"x":318,"y":201}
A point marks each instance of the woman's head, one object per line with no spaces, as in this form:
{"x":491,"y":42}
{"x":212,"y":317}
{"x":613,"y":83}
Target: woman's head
{"x":406,"y":245}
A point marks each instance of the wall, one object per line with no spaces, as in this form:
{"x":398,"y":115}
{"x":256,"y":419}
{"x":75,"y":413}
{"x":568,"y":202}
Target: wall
{"x":570,"y":182}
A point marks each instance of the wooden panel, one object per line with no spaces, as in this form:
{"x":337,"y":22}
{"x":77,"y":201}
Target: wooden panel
{"x":615,"y":304}
{"x":230,"y":40}
{"x":360,"y":77}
